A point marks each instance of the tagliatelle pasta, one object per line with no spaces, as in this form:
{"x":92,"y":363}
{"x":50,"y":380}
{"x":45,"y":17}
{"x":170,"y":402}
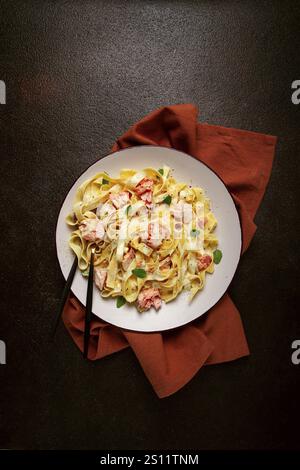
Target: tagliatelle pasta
{"x":153,"y":236}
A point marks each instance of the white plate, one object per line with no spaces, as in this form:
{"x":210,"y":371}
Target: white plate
{"x":179,"y":311}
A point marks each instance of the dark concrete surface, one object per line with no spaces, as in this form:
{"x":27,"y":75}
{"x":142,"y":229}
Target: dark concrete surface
{"x":78,"y":74}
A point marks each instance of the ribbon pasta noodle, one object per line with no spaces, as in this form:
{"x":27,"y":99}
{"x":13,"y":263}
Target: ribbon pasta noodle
{"x":153,"y":236}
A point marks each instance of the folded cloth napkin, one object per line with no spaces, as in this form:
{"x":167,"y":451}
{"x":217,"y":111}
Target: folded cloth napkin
{"x":243,"y":160}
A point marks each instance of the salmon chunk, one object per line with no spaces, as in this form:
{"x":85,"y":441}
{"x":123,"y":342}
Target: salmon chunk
{"x":120,"y":199}
{"x":156,"y":234}
{"x":92,"y":230}
{"x":105,"y":210}
{"x":128,"y":257}
{"x":145,"y":185}
{"x":100,"y":276}
{"x":203,"y":262}
{"x":147,"y":198}
{"x":148,"y":298}
{"x":144,"y":190}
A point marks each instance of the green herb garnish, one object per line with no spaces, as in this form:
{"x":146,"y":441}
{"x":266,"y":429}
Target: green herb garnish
{"x":104,"y":181}
{"x":217,"y":256}
{"x":161,"y":171}
{"x":120,"y":301}
{"x":138,"y":272}
{"x":128,"y":209}
{"x":167,"y":200}
{"x":194,"y":232}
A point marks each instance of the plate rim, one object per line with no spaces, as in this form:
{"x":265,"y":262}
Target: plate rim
{"x":227,"y":190}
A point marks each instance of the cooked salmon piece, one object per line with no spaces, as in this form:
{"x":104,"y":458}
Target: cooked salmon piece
{"x":105,"y":210}
{"x":128,"y":257}
{"x":120,"y":199}
{"x":147,"y":198}
{"x":144,"y":190}
{"x":203,"y":262}
{"x":156,"y":234}
{"x":146,"y":184}
{"x":153,"y":243}
{"x":148,"y":298}
{"x":92,"y":230}
{"x":100,"y":276}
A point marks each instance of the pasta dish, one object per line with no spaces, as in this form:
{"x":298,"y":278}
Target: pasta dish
{"x":153,"y":236}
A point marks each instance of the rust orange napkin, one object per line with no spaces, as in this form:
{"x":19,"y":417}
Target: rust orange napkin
{"x":243,"y":160}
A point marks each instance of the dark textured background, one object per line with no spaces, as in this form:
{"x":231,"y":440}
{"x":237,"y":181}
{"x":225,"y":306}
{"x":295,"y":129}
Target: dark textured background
{"x":78,"y":74}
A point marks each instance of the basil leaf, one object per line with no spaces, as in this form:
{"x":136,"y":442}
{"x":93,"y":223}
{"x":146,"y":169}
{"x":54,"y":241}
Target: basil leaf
{"x":104,"y":181}
{"x":217,"y":256}
{"x":161,"y":171}
{"x":194,"y":232}
{"x":139,"y":273}
{"x":128,"y":209}
{"x":167,"y":200}
{"x":120,"y":301}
